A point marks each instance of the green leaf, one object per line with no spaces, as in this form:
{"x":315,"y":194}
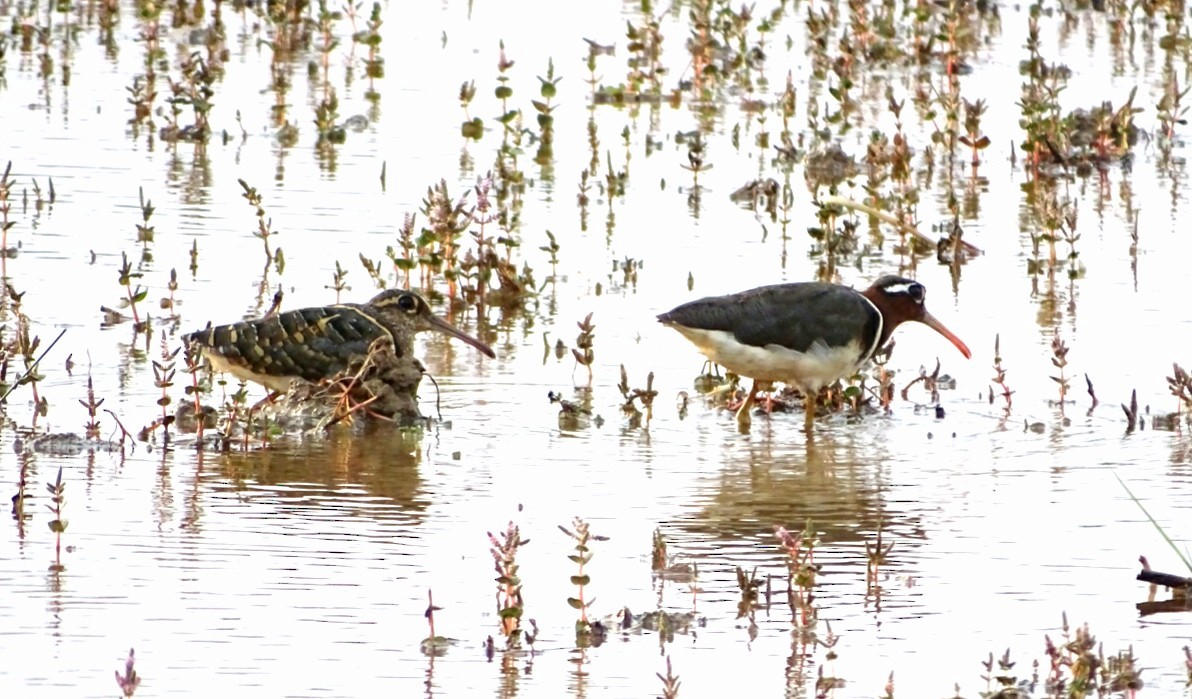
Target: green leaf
{"x":473,"y":129}
{"x":575,"y":604}
{"x":581,"y":579}
{"x":510,"y":613}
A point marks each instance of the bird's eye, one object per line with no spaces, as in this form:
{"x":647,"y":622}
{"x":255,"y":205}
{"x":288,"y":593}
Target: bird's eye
{"x":917,"y":292}
{"x":407,"y":303}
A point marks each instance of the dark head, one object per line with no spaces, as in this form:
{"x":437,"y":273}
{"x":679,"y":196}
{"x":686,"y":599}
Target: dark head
{"x":401,"y":307}
{"x":900,"y":299}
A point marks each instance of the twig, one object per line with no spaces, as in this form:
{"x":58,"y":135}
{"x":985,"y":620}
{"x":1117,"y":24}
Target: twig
{"x":32,"y":367}
{"x":891,"y":219}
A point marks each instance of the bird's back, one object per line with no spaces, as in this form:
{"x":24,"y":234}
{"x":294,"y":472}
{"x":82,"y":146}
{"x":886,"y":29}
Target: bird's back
{"x":795,"y":316}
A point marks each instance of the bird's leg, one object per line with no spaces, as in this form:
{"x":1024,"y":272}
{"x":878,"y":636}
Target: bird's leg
{"x":743,"y":417}
{"x":809,"y":399}
{"x":267,"y":400}
{"x":768,"y":387}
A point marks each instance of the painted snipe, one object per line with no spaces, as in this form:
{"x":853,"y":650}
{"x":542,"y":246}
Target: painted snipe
{"x":317,"y":343}
{"x":806,"y":334}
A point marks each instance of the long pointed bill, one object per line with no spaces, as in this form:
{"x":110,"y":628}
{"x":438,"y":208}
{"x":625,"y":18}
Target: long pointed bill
{"x":436,"y":323}
{"x":930,"y":321}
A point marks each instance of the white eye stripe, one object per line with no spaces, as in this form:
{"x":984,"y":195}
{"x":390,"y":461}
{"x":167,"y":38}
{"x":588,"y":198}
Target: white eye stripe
{"x":904,"y":289}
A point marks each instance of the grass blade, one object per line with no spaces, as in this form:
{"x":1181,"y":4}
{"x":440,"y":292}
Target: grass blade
{"x":1182,"y":554}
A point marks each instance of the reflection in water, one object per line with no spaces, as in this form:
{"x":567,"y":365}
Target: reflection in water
{"x":303,"y":568}
{"x":831,"y":481}
{"x":376,"y":458}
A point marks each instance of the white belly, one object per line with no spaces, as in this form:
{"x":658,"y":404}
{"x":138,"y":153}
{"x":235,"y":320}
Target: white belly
{"x":808,"y":371}
{"x":281,"y":384}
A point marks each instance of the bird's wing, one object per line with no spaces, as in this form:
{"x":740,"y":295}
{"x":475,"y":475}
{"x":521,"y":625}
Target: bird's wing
{"x":310,"y":343}
{"x":791,"y":315}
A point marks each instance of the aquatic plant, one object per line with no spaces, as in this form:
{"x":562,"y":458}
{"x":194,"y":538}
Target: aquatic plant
{"x":973,"y":137}
{"x":132,"y":296}
{"x":145,"y":232}
{"x":875,"y":556}
{"x":748,"y":586}
{"x":58,"y":525}
{"x":374,"y":63}
{"x":573,"y":415}
{"x":510,"y":604}
{"x":659,"y":559}
{"x":670,"y":681}
{"x":633,"y":395}
{"x":1180,"y":385}
{"x":129,"y":680}
{"x":91,"y":405}
{"x":504,"y":92}
{"x":1132,"y":417}
{"x":6,"y":224}
{"x":167,"y":303}
{"x":930,"y":383}
{"x":583,"y":351}
{"x":1002,"y":683}
{"x":195,"y":90}
{"x":163,"y":378}
{"x":264,"y":229}
{"x":1171,"y":109}
{"x":552,"y":248}
{"x":337,"y":281}
{"x":19,"y":515}
{"x":1039,"y":99}
{"x":25,"y":345}
{"x":327,"y":42}
{"x":1080,"y":668}
{"x":582,"y":535}
{"x":328,"y":131}
{"x":1059,"y":359}
{"x":999,"y":375}
{"x":433,"y":645}
{"x":472,"y":127}
{"x":548,"y":87}
{"x":801,"y":571}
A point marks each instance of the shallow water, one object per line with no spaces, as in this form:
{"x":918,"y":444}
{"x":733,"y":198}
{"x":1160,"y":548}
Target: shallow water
{"x":302,"y":569}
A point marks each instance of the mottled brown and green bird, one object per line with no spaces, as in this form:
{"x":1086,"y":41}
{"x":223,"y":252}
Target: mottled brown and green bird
{"x":319,"y":342}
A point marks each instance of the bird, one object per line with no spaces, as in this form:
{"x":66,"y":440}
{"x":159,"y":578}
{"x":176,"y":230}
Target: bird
{"x":805,"y":334}
{"x":312,"y":344}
